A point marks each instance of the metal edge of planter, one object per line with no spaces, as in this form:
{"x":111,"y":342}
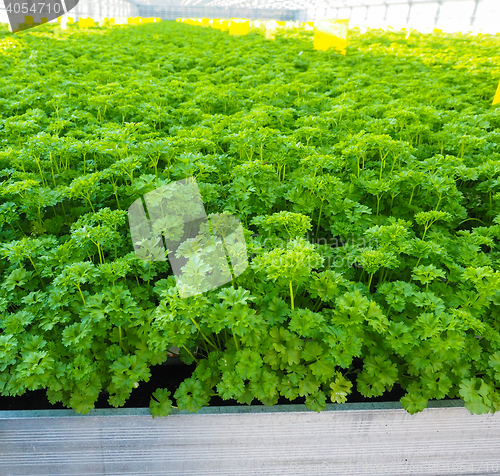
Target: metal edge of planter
{"x":378,"y":438}
{"x":7,"y":414}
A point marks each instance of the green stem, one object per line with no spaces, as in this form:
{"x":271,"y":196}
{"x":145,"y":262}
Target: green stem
{"x":393,"y":164}
{"x":81,"y":294}
{"x":317,"y":305}
{"x":392,"y":199}
{"x":203,"y":335}
{"x":439,"y":201}
{"x":425,"y":231}
{"x":236,"y":342}
{"x":20,"y":227}
{"x":291,"y":295}
{"x":370,"y":281}
{"x":411,"y":196}
{"x":41,"y":173}
{"x":90,"y":203}
{"x":64,"y":213}
{"x":156,"y":165}
{"x":36,"y":271}
{"x":477,"y":219}
{"x":52,"y":172}
{"x":55,"y":163}
{"x":319,"y":218}
{"x":192,"y":356}
{"x":116,"y":195}
{"x":230,"y":265}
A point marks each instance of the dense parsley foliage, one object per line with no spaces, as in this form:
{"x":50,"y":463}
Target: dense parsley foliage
{"x":368,"y":185}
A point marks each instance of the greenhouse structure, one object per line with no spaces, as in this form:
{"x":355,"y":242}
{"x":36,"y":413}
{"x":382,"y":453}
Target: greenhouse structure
{"x":448,"y":15}
{"x":249,"y":237}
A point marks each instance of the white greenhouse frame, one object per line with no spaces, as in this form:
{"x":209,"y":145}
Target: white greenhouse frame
{"x":423,"y":15}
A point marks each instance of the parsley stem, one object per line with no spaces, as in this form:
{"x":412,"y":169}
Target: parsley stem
{"x":36,"y":271}
{"x":439,"y":201}
{"x":412,"y":192}
{"x":81,"y":294}
{"x":230,"y":265}
{"x":37,"y":160}
{"x":370,"y":281}
{"x":477,"y":219}
{"x":116,"y":194}
{"x":319,"y":217}
{"x":64,"y":213}
{"x":393,"y":164}
{"x":236,"y":342}
{"x":20,"y":227}
{"x":90,"y":202}
{"x":291,"y":294}
{"x":192,"y":356}
{"x":203,"y":335}
{"x":425,"y":231}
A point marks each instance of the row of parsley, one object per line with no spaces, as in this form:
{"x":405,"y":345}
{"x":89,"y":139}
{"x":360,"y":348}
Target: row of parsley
{"x":390,"y":151}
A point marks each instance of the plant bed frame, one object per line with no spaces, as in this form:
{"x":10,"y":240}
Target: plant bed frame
{"x":352,"y":438}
